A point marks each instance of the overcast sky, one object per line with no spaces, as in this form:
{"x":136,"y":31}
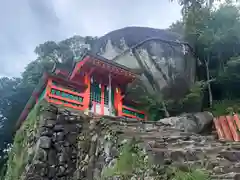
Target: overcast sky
{"x":26,"y":23}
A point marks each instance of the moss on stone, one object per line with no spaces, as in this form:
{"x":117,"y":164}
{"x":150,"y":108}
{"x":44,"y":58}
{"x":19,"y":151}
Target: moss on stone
{"x":130,"y":162}
{"x":133,"y":163}
{"x":20,"y":153}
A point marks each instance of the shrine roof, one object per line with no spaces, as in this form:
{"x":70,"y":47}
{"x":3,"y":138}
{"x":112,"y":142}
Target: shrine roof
{"x":105,"y":60}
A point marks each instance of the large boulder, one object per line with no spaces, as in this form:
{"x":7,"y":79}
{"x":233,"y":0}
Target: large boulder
{"x":194,"y":122}
{"x":166,"y":62}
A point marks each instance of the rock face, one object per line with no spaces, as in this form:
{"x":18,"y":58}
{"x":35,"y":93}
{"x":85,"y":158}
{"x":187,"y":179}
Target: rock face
{"x":164,"y":60}
{"x":195,"y":123}
{"x":70,"y":145}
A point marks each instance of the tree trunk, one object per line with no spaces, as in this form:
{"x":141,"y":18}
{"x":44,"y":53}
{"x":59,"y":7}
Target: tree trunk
{"x":208,"y":81}
{"x":166,"y":113}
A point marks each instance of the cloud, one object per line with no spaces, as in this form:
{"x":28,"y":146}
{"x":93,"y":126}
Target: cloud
{"x":31,"y":22}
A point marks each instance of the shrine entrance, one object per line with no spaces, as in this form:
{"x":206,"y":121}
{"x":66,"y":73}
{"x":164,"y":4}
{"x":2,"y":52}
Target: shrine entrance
{"x":99,"y":99}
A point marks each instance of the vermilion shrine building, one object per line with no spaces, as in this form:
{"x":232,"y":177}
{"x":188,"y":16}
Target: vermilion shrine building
{"x":95,"y":84}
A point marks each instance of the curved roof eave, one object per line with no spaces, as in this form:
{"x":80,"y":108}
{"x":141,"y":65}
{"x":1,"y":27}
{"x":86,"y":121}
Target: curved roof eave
{"x":101,"y":58}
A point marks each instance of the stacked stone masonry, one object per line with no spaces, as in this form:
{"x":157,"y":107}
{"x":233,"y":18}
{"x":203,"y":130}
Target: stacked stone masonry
{"x":70,"y":145}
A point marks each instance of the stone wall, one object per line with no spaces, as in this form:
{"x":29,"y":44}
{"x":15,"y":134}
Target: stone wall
{"x":50,"y":145}
{"x":71,"y":145}
{"x":55,"y":145}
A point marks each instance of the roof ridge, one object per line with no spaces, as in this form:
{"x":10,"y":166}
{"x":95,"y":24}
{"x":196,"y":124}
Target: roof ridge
{"x":101,"y":58}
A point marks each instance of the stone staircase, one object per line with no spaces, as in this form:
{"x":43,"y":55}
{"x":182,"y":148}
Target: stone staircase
{"x":170,"y":146}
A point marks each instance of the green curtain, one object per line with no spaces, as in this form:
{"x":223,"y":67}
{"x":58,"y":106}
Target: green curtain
{"x":95,"y":92}
{"x":106,"y":96}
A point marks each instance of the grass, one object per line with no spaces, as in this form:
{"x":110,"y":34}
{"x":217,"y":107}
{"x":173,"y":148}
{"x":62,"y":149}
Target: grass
{"x":192,"y":174}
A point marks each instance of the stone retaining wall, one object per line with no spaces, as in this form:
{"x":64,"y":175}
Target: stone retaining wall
{"x":56,"y":145}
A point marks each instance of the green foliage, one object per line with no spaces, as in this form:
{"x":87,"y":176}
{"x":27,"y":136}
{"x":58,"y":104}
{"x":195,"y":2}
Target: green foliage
{"x":3,"y":168}
{"x":15,"y":92}
{"x":193,"y":98}
{"x":214,"y":35}
{"x":131,"y":161}
{"x":225,"y":107}
{"x":228,"y":81}
{"x":152,"y":104}
{"x":190,"y":102}
{"x":14,"y":96}
{"x":20,"y":153}
{"x":191,"y":174}
{"x":64,"y":51}
{"x":177,"y":27}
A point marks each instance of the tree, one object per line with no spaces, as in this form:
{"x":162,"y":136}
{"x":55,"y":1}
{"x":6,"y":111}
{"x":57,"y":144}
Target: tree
{"x":213,"y":34}
{"x":229,"y":79}
{"x":63,"y":52}
{"x":177,"y":27}
{"x":13,"y":98}
{"x":15,"y":92}
{"x":196,"y":17}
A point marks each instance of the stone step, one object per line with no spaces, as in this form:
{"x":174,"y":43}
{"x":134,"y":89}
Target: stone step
{"x":139,"y":129}
{"x":218,"y":170}
{"x":217,"y":162}
{"x":221,"y":172}
{"x":234,"y":145}
{"x":194,"y":153}
{"x":226,"y":176}
{"x":186,"y":141}
{"x":173,"y":141}
{"x":209,"y":137}
{"x":231,"y":155}
{"x":176,"y":145}
{"x":177,"y":155}
{"x":189,"y":143}
{"x":168,"y":146}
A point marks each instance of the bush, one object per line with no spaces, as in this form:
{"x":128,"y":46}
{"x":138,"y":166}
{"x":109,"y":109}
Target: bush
{"x":225,"y":107}
{"x":191,"y":102}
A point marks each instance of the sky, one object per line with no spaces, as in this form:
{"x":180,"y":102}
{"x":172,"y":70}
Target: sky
{"x":28,"y":23}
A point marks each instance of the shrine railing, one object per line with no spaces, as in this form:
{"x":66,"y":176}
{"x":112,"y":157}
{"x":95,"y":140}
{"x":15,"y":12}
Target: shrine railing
{"x":133,"y":113}
{"x":228,"y":127}
{"x":66,"y":97}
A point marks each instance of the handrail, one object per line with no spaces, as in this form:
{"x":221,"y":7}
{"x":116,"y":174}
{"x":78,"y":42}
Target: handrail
{"x":66,"y":90}
{"x":134,"y":110}
{"x":54,"y":87}
{"x":67,"y":105}
{"x":65,"y":99}
{"x":131,"y":116}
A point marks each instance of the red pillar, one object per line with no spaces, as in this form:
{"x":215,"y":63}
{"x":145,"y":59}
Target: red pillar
{"x":86,"y":99}
{"x":118,"y":101}
{"x":48,"y":89}
{"x":102,"y":99}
